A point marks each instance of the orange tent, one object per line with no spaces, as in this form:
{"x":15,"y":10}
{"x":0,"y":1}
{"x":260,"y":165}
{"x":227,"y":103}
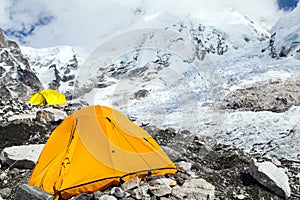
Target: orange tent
{"x":94,"y":148}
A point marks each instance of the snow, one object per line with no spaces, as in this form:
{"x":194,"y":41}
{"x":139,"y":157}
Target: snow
{"x":61,"y":54}
{"x":183,"y":90}
{"x":264,"y":133}
{"x":288,"y":27}
{"x":46,"y":61}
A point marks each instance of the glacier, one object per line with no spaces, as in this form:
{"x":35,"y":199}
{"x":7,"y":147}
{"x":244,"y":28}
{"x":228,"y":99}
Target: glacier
{"x":178,"y":71}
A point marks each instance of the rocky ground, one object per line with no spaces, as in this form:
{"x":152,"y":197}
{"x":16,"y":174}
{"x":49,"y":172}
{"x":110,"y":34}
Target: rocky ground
{"x":275,"y":96}
{"x":208,"y":169}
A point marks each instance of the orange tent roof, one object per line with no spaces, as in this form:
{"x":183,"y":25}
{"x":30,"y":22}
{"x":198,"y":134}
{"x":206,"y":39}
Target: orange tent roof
{"x":94,"y":148}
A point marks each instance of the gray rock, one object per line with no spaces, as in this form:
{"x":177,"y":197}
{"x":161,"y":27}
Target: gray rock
{"x":173,"y":155}
{"x":107,"y":197}
{"x":3,"y":176}
{"x":98,"y":194}
{"x":5,"y":192}
{"x":141,"y":192}
{"x":159,"y":187}
{"x":130,"y":184}
{"x":198,"y":189}
{"x":51,"y":115}
{"x":27,"y":192}
{"x":256,"y":96}
{"x":117,"y":192}
{"x":84,"y":197}
{"x":21,"y":78}
{"x":26,"y":118}
{"x":185,"y":166}
{"x":23,"y":157}
{"x":271,"y":177}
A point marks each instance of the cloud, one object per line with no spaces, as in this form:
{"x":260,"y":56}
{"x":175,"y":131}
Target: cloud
{"x":76,"y":22}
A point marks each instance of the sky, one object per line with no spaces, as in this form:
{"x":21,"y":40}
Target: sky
{"x":41,"y":23}
{"x":287,"y":5}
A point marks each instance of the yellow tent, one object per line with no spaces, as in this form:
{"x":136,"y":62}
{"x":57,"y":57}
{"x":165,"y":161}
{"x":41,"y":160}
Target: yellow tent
{"x":94,"y":148}
{"x":47,"y":97}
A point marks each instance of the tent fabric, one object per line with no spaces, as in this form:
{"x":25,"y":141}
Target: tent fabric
{"x":48,"y":96}
{"x":94,"y":148}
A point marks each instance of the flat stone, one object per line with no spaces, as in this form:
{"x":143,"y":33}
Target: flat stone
{"x":117,"y":192}
{"x":271,"y":177}
{"x":5,"y":192}
{"x":130,"y":184}
{"x":160,"y":187}
{"x":23,"y":157}
{"x":198,"y":188}
{"x":141,"y":192}
{"x":173,"y":155}
{"x":107,"y":197}
{"x":185,"y":166}
{"x":84,"y":197}
{"x":27,"y":192}
{"x":51,"y":115}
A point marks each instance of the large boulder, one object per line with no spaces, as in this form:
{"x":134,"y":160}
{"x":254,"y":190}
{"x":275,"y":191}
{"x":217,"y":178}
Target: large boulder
{"x":271,"y":177}
{"x":27,"y":192}
{"x":198,"y":189}
{"x":24,"y":156}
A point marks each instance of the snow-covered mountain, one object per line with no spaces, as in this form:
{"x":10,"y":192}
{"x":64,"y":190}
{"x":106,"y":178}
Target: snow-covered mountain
{"x":189,"y":73}
{"x":287,"y":39}
{"x":56,"y":67}
{"x":16,"y":77}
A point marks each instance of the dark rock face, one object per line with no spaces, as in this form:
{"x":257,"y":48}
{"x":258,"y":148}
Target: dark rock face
{"x":3,"y":41}
{"x":20,"y":133}
{"x":271,"y":47}
{"x":16,"y":77}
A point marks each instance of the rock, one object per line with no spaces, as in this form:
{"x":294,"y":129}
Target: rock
{"x":130,"y":184}
{"x":17,"y":79}
{"x":160,"y":187}
{"x":271,"y":177}
{"x":27,"y":192}
{"x":275,"y":96}
{"x":276,"y":162}
{"x":107,"y":197}
{"x":3,"y":176}
{"x":240,"y":196}
{"x":3,"y":40}
{"x":185,"y":166}
{"x":23,"y":117}
{"x":169,"y":181}
{"x":141,"y":192}
{"x":24,"y":156}
{"x":84,"y":197}
{"x":141,"y":94}
{"x":117,"y":192}
{"x":51,"y":115}
{"x":173,"y":154}
{"x":198,"y":188}
{"x":5,"y":192}
{"x":19,"y":132}
{"x":98,"y":194}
